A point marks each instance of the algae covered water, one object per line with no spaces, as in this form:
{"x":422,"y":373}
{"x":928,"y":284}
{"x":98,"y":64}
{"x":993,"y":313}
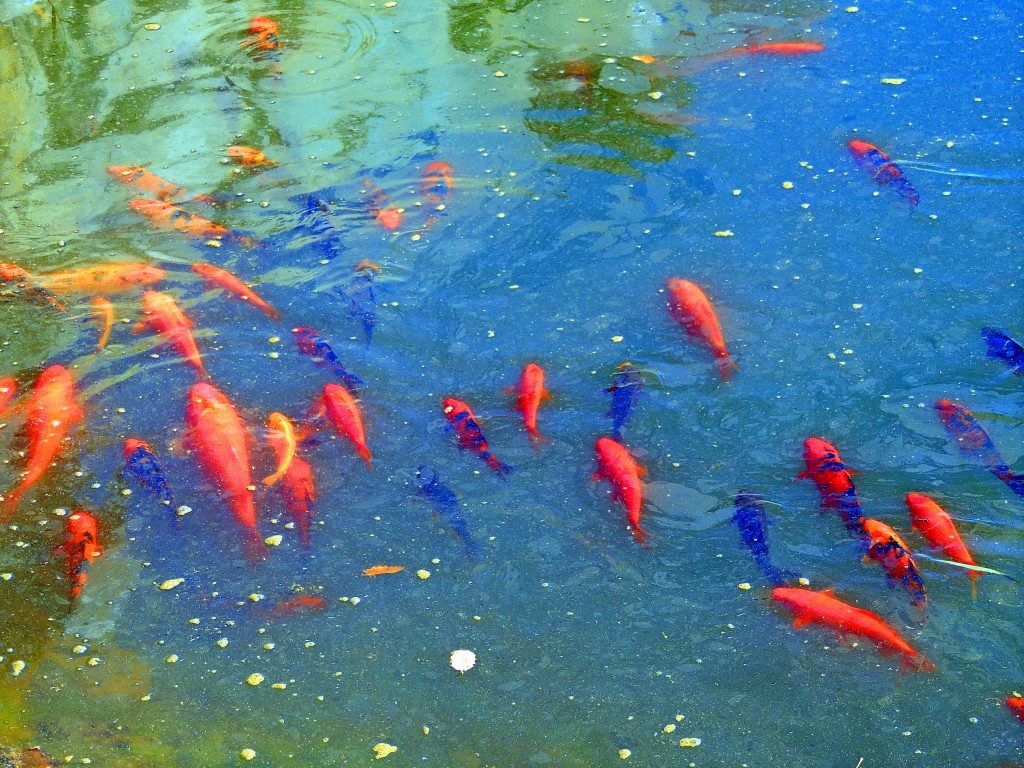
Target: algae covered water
{"x":447,"y":192}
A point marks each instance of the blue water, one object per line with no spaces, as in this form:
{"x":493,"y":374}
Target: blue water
{"x":575,"y":198}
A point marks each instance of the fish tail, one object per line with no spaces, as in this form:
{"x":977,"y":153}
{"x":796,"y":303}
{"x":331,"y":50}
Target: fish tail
{"x":974,"y":585}
{"x":640,"y":535}
{"x":915,"y":662}
{"x":536,"y":438}
{"x":493,"y":462}
{"x":364,"y":452}
{"x":1016,"y":482}
{"x":273,"y":314}
{"x":726,"y":368}
{"x":255,"y":549}
{"x":10,"y":503}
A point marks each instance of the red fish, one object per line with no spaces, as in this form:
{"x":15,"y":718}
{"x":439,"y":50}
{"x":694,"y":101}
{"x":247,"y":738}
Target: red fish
{"x":438,"y":182}
{"x":248,"y":156}
{"x":529,"y":394}
{"x":80,"y":547}
{"x":172,"y":218}
{"x":139,"y":178}
{"x":932,"y":522}
{"x":102,"y":279}
{"x":164,"y":316}
{"x":882,"y":170}
{"x":231,"y":284}
{"x":467,"y":429}
{"x":616,"y":465}
{"x":822,"y":608}
{"x":834,"y":483}
{"x":689,"y":306}
{"x":343,"y":411}
{"x":795,"y":48}
{"x":106,"y":312}
{"x":389,"y":216}
{"x":295,"y":475}
{"x":888,"y":549}
{"x":298,"y":604}
{"x":218,"y":437}
{"x":263,"y":34}
{"x":1016,"y":705}
{"x":8,"y":389}
{"x":51,"y":412}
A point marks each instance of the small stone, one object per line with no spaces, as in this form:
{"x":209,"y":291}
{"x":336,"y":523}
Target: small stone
{"x":151,"y":27}
{"x":426,"y":730}
{"x":689,"y":742}
{"x":462,"y":661}
{"x":724,"y":233}
{"x":655,"y":95}
{"x":617,"y":339}
{"x":423,"y":574}
{"x":17,"y":667}
{"x":79,"y":649}
{"x":213,"y":243}
{"x":247,"y":754}
{"x":221,"y":642}
{"x":851,"y":9}
{"x":6,"y":576}
{"x":254,"y":679}
{"x":857,"y":306}
{"x":804,"y":581}
{"x":170,"y":584}
{"x":669,"y":728}
{"x":624,"y":753}
{"x":787,"y":185}
{"x":744,"y":586}
{"x":499,"y":73}
{"x":382,"y":750}
{"x":255,"y":597}
{"x":279,"y":686}
{"x":273,"y":541}
{"x":172,"y":659}
{"x":893,"y":80}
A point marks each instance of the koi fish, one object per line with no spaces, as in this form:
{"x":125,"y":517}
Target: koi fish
{"x":262,"y":34}
{"x":248,"y":156}
{"x":141,"y":463}
{"x":1016,"y":705}
{"x":796,"y":48}
{"x":471,"y":437}
{"x":224,"y":279}
{"x":834,"y":483}
{"x":438,"y":182}
{"x":80,"y":547}
{"x":888,"y":550}
{"x":315,"y":346}
{"x":299,"y":495}
{"x":882,"y":170}
{"x":217,"y":435}
{"x":822,"y":608}
{"x":51,"y":412}
{"x":389,"y":216}
{"x":105,"y":310}
{"x":627,"y":386}
{"x":298,"y":604}
{"x":282,"y":439}
{"x":103,"y":279}
{"x":975,"y":443}
{"x":343,"y":411}
{"x":139,"y":178}
{"x":616,"y":465}
{"x":446,"y":505}
{"x":1002,"y":347}
{"x":689,"y":306}
{"x":529,"y":394}
{"x":8,"y":389}
{"x":752,"y":521}
{"x":380,"y":570}
{"x":22,"y":281}
{"x":363,"y":298}
{"x":167,"y":217}
{"x":162,"y":313}
{"x":932,"y":522}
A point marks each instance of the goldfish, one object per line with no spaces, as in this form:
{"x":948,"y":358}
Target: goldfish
{"x":141,"y":462}
{"x":752,"y":520}
{"x":105,"y":310}
{"x":616,"y":465}
{"x":343,"y":411}
{"x":103,"y":279}
{"x":313,"y":344}
{"x":248,"y":156}
{"x":689,"y":306}
{"x":380,"y":570}
{"x":8,"y":389}
{"x":139,"y":178}
{"x":363,"y":298}
{"x":282,"y":439}
{"x":299,"y":495}
{"x":231,"y":284}
{"x":882,"y":170}
{"x":169,"y":217}
{"x":51,"y":412}
{"x":1002,"y":347}
{"x":217,"y":436}
{"x":1016,"y":705}
{"x":438,"y":182}
{"x":389,"y":216}
{"x":262,"y":34}
{"x":834,"y":482}
{"x":933,"y":522}
{"x":889,"y":550}
{"x":627,"y":386}
{"x":298,"y":604}
{"x":80,"y":546}
{"x":462,"y":421}
{"x":529,"y":394}
{"x":796,"y":48}
{"x":446,"y":505}
{"x":23,"y":284}
{"x":162,"y":313}
{"x":975,"y":443}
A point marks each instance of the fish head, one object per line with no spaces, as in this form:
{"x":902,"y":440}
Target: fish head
{"x":131,"y":445}
{"x":82,"y":526}
{"x":452,"y":407}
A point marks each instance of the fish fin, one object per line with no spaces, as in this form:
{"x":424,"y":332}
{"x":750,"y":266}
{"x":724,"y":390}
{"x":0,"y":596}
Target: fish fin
{"x":641,"y":471}
{"x":916,"y":663}
{"x":139,"y":327}
{"x":508,"y":390}
{"x":640,"y":535}
{"x":851,"y":471}
{"x":974,"y":589}
{"x":545,"y":395}
{"x":805,"y":475}
{"x":536,"y":438}
{"x":726,"y":368}
{"x":830,"y":591}
{"x":599,"y":475}
{"x":800,"y":622}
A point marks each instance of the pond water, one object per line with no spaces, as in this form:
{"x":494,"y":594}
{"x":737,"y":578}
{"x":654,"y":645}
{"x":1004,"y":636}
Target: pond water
{"x":597,"y":149}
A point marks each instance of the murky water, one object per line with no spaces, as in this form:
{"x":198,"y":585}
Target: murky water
{"x":598,"y":148}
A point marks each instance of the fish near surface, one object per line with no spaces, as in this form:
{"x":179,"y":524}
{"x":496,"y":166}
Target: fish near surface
{"x":882,"y":170}
{"x":362,"y":297}
{"x":80,"y":547}
{"x":936,"y":526}
{"x":446,"y":505}
{"x":617,"y":466}
{"x":975,"y":443}
{"x":890,"y":551}
{"x":224,"y":279}
{"x":809,"y":607}
{"x":752,"y":521}
{"x":467,"y":429}
{"x":627,"y":386}
{"x":23,"y":285}
{"x":529,"y":394}
{"x":343,"y":411}
{"x":171,"y":218}
{"x":161,"y":313}
{"x":8,"y":389}
{"x":316,"y":347}
{"x":833,"y":478}
{"x":105,"y":310}
{"x":1002,"y":347}
{"x":689,"y":306}
{"x":103,"y":279}
{"x":143,"y":180}
{"x":782,"y":48}
{"x":142,"y":464}
{"x":51,"y":412}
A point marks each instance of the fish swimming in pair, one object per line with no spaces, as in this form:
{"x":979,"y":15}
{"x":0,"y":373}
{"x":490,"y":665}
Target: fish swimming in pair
{"x":627,"y":386}
{"x":224,"y":279}
{"x":823,"y":608}
{"x":142,"y":464}
{"x":161,"y":313}
{"x":689,"y":306}
{"x":617,"y":466}
{"x":315,"y":346}
{"x":446,"y":505}
{"x":936,"y":526}
{"x":462,"y":421}
{"x":362,"y":297}
{"x":343,"y":411}
{"x":882,"y":170}
{"x":80,"y":547}
{"x":1002,"y":347}
{"x":833,"y":478}
{"x":752,"y":521}
{"x":529,"y":393}
{"x":975,"y":443}
{"x":890,"y":551}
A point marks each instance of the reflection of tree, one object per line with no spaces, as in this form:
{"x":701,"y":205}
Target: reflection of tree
{"x":573,"y":109}
{"x":469,"y":23}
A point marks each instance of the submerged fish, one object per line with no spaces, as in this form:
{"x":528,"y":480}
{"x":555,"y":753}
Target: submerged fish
{"x":102,"y":279}
{"x":142,"y":464}
{"x":315,"y":346}
{"x":161,"y":313}
{"x":22,"y":285}
{"x":975,"y":443}
{"x":1002,"y":347}
{"x":890,"y":551}
{"x":105,"y":310}
{"x":224,"y":279}
{"x":788,"y":48}
{"x":363,"y":297}
{"x":80,"y":546}
{"x":529,"y":394}
{"x":386,"y":214}
{"x":343,"y":411}
{"x":834,"y":482}
{"x":446,"y":505}
{"x":689,"y":306}
{"x":752,"y":521}
{"x":936,"y":526}
{"x":617,"y":466}
{"x":882,"y":170}
{"x":462,"y":421}
{"x":627,"y":386}
{"x":248,"y":156}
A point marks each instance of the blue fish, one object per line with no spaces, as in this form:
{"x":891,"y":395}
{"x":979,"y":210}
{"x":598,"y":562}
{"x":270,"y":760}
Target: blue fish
{"x":362,"y":297}
{"x":1002,"y":347}
{"x":313,"y":344}
{"x":315,"y":222}
{"x":446,"y":504}
{"x":626,"y":387}
{"x":752,"y":521}
{"x":141,"y":462}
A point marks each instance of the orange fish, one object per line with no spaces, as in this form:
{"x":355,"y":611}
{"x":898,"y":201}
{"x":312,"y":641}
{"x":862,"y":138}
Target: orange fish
{"x":299,"y":495}
{"x":231,"y":284}
{"x":169,"y":217}
{"x":103,"y":279}
{"x":282,"y":439}
{"x":377,"y":570}
{"x":1016,"y":705}
{"x":23,"y":282}
{"x":51,"y":412}
{"x":529,"y":394}
{"x":389,"y":216}
{"x":139,"y":178}
{"x":822,"y":608}
{"x":689,"y":306}
{"x":616,"y":465}
{"x":932,"y":522}
{"x":778,"y":49}
{"x":343,"y":411}
{"x":80,"y":547}
{"x":162,"y":313}
{"x":263,"y":34}
{"x":217,"y":435}
{"x":105,"y":310}
{"x":888,"y":549}
{"x":297,"y":604}
{"x":248,"y":156}
{"x":8,"y":389}
{"x":438,"y":182}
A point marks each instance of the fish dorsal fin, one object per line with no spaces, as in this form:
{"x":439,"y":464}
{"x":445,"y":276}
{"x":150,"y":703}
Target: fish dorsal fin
{"x":545,"y":395}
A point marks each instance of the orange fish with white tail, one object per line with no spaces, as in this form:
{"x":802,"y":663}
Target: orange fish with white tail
{"x":530,"y":393}
{"x":224,"y":279}
{"x":164,"y":316}
{"x":935,"y":524}
{"x":689,"y":306}
{"x":615,"y":464}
